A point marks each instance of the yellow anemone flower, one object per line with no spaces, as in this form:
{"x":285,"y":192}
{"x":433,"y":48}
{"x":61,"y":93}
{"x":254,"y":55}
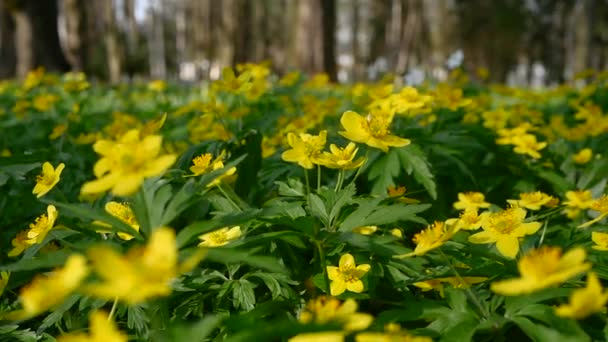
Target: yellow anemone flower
{"x":583,"y":156}
{"x":145,"y":272}
{"x":41,"y":227}
{"x":305,"y":148}
{"x":526,"y":144}
{"x":123,"y":212}
{"x":205,"y":164}
{"x":220,"y":237}
{"x":433,"y":236}
{"x":126,"y":162}
{"x":365,"y":230}
{"x":586,"y":301}
{"x":44,"y":292}
{"x":600,"y":205}
{"x":102,"y":330}
{"x":576,"y":201}
{"x":326,"y":309}
{"x":340,"y":157}
{"x":47,"y":179}
{"x":347,"y":275}
{"x":505,"y":228}
{"x":601,"y":241}
{"x":532,"y":200}
{"x":456,"y":282}
{"x":372,"y":130}
{"x":471,"y":201}
{"x":542,"y":268}
{"x":469,"y":219}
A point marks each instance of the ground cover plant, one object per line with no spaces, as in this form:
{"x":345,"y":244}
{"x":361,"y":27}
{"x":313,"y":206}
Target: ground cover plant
{"x":265,"y":208}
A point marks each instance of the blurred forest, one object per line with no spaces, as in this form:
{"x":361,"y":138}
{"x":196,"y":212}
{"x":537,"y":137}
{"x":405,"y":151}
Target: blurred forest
{"x":519,"y":41}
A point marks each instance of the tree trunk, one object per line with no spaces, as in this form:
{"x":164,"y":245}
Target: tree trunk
{"x":7,"y":43}
{"x":328,"y":18}
{"x":380,"y":13}
{"x":75,"y":24}
{"x":156,"y":42}
{"x":244,"y":38}
{"x":23,"y":43}
{"x":577,"y":39}
{"x":113,"y":55}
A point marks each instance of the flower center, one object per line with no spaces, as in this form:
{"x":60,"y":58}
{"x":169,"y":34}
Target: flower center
{"x":45,"y":178}
{"x":377,"y":125}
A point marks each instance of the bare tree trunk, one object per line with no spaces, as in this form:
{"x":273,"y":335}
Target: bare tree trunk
{"x":202,"y":34}
{"x":356,"y":47}
{"x":380,"y":13}
{"x":156,"y":42}
{"x":411,"y":29}
{"x":224,"y":26}
{"x":577,"y":39}
{"x":7,"y":42}
{"x":23,"y":43}
{"x":328,"y":15}
{"x":181,"y":19}
{"x":75,"y":20}
{"x":111,"y":42}
{"x":244,"y":35}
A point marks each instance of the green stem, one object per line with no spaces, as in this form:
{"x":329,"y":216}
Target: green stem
{"x":236,"y":206}
{"x":468,"y":290}
{"x":307,"y":181}
{"x":340,"y":181}
{"x":318,"y":177}
{"x":113,"y":310}
{"x":322,"y":262}
{"x":542,"y":235}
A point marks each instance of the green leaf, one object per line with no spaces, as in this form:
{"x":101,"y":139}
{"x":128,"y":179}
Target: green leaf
{"x":383,"y":171}
{"x":318,"y":209}
{"x":369,"y":212}
{"x":234,"y":256}
{"x":414,"y":161}
{"x":243,"y":295}
{"x":194,"y":332}
{"x":46,"y":260}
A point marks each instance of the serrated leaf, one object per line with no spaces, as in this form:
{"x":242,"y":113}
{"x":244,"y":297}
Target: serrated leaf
{"x":415,"y":162}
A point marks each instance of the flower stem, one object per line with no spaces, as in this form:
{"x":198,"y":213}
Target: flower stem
{"x":113,"y":310}
{"x":340,"y":181}
{"x":228,"y":197}
{"x":467,"y":289}
{"x":307,"y":181}
{"x":318,"y":177}
{"x":542,"y":235}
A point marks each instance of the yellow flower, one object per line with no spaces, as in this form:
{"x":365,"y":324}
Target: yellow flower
{"x":41,"y":227}
{"x":601,"y":241}
{"x":58,"y":131}
{"x":220,"y":237}
{"x":323,"y":310}
{"x":347,"y":275}
{"x":305,"y":148}
{"x":577,"y":200}
{"x":409,"y":98}
{"x":526,"y":144}
{"x":365,"y":230}
{"x":45,"y":292}
{"x":396,"y":232}
{"x":456,"y":282}
{"x":3,"y":280}
{"x":157,"y":85}
{"x":290,"y":79}
{"x":126,"y":162}
{"x":506,"y":135}
{"x":532,"y":200}
{"x":47,"y":179}
{"x":469,"y":220}
{"x":123,"y":212}
{"x":585,"y":301}
{"x":372,"y":130}
{"x":583,"y":156}
{"x":434,"y":236}
{"x":471,"y":201}
{"x":44,"y":102}
{"x":340,"y":157}
{"x":542,"y":268}
{"x":19,"y":243}
{"x":505,"y":228}
{"x":325,"y":336}
{"x":399,"y":192}
{"x":145,"y":272}
{"x":600,"y":205}
{"x":204,"y":164}
{"x":232,"y":84}
{"x":102,"y":330}
{"x":392,"y":333}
